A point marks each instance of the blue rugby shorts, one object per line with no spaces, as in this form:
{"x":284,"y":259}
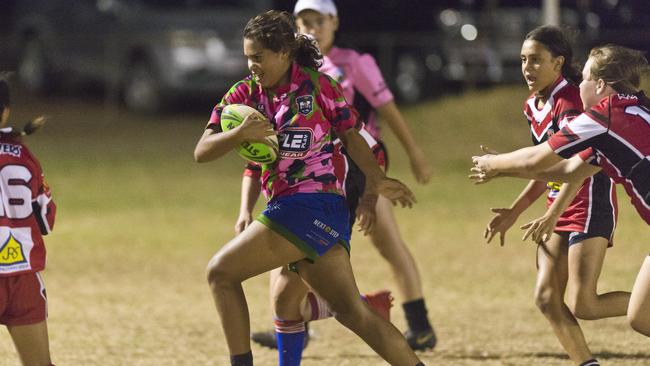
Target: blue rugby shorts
{"x":313,"y":222}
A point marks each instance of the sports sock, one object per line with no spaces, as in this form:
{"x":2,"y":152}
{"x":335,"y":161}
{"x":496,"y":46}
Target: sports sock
{"x":592,"y":362}
{"x":416,"y":315}
{"x":316,"y":308}
{"x":244,"y":359}
{"x":290,"y":336}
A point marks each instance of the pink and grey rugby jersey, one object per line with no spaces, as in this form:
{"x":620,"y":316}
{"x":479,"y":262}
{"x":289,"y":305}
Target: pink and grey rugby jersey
{"x":303,"y":113}
{"x":362,"y":83}
{"x":618,"y":129}
{"x":594,"y":205}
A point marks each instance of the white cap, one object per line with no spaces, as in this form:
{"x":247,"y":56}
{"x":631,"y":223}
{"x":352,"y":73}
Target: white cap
{"x":321,"y":6}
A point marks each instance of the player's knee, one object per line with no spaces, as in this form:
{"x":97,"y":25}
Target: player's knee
{"x":285,"y":301}
{"x":544,"y":299}
{"x":583,"y":306}
{"x":216,"y":272}
{"x":639,"y":323}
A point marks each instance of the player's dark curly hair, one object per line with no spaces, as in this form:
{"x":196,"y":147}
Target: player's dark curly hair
{"x":557,"y":43}
{"x":276,"y":31}
{"x":618,"y":66}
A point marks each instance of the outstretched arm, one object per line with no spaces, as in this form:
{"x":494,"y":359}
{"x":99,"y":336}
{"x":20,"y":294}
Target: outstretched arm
{"x":419,"y":165}
{"x":540,"y":229}
{"x":376,"y":180}
{"x":506,"y":217}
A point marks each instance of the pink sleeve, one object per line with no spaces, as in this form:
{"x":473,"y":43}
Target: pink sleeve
{"x":236,"y":95}
{"x":369,"y":81}
{"x":341,"y":115}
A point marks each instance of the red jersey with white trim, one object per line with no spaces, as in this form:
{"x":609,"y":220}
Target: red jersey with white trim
{"x":595,"y":201}
{"x":26,"y":208}
{"x":618,"y":129}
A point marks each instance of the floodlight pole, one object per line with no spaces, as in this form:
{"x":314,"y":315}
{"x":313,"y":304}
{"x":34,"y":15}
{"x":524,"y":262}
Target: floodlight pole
{"x":551,"y":12}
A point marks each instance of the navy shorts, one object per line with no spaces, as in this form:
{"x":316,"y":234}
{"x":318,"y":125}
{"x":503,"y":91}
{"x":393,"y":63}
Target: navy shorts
{"x":313,"y":222}
{"x":576,"y":237}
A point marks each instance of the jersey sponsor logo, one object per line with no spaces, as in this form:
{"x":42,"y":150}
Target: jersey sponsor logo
{"x":12,"y":252}
{"x":10,"y":149}
{"x":295,"y":143}
{"x":305,"y":104}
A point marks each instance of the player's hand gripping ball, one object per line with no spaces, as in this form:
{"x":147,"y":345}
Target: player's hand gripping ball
{"x":266,"y":152}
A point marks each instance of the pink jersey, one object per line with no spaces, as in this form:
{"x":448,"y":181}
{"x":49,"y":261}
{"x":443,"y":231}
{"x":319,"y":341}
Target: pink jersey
{"x":361,"y":81}
{"x":595,"y":202}
{"x":618,"y":129}
{"x":26,"y":208}
{"x":303,"y":113}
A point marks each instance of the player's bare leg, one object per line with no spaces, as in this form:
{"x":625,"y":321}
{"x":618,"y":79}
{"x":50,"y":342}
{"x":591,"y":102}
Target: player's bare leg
{"x":256,"y":250}
{"x":288,"y":293}
{"x":388,"y":241}
{"x":552,"y":274}
{"x":32,"y":343}
{"x":638,"y":313}
{"x":332,"y":278}
{"x":585,"y":264}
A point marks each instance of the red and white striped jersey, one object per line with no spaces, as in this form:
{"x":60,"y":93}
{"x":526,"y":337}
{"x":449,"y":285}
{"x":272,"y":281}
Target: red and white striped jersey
{"x":26,"y":208}
{"x":595,"y":203}
{"x":618,"y":129}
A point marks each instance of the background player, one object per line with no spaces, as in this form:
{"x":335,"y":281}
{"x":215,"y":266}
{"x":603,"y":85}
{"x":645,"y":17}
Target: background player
{"x":26,"y":213}
{"x":616,"y":125}
{"x":301,"y":186}
{"x":363,"y":86}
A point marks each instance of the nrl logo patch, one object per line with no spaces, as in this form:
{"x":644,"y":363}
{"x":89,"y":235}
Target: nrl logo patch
{"x":305,"y":104}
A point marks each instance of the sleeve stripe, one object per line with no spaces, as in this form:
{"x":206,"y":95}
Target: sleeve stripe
{"x":599,"y":118}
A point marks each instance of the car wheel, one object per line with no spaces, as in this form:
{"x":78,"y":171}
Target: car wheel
{"x":142,"y":89}
{"x":410,"y":78}
{"x":34,"y":71}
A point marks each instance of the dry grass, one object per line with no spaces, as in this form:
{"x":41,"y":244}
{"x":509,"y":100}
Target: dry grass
{"x":138,"y":221}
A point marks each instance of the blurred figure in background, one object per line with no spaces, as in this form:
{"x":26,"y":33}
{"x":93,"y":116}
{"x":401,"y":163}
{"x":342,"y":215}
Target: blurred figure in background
{"x":27,"y":213}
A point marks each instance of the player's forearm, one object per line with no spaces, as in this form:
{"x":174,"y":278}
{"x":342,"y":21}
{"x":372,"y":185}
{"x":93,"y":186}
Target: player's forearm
{"x":528,"y":196}
{"x":214,"y":145}
{"x":564,"y":198}
{"x":527,"y":160}
{"x":250,"y":193}
{"x":361,"y":154}
{"x":391,"y":114}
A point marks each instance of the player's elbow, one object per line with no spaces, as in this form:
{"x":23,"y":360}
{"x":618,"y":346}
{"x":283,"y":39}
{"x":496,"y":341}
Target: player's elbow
{"x":200,"y":155}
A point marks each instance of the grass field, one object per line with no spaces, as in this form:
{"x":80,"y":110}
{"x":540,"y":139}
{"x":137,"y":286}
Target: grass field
{"x":138,"y":220}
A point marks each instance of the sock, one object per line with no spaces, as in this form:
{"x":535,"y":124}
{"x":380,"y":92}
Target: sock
{"x":320,"y":309}
{"x":419,"y":364}
{"x":245,"y":359}
{"x":592,"y":362}
{"x":416,"y":315}
{"x":290,"y":335}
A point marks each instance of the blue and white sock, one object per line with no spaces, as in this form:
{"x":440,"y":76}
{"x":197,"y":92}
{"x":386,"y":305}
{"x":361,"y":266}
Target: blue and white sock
{"x":290,"y":336}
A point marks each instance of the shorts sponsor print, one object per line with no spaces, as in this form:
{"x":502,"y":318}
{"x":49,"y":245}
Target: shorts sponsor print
{"x":313,"y":222}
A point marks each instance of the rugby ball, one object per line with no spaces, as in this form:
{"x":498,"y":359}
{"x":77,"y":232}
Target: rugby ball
{"x":232,"y":116}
